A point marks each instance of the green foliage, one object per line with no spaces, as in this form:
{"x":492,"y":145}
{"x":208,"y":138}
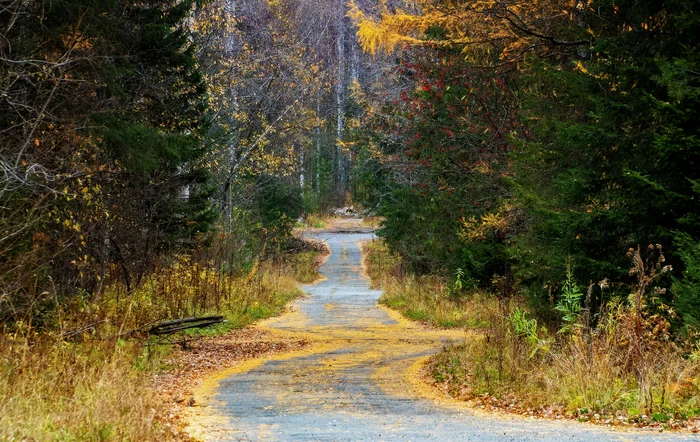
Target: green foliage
{"x":104,"y":159}
{"x":458,"y":284}
{"x":605,"y":158}
{"x":310,"y":201}
{"x":569,"y":304}
{"x":304,"y":266}
{"x":278,"y":207}
{"x":427,"y":298}
{"x":526,"y":328}
{"x":613,"y":149}
{"x":434,"y":159}
{"x":156,"y":136}
{"x":687,"y":288}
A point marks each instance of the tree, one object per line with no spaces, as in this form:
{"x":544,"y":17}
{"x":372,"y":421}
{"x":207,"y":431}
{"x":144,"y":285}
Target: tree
{"x":436,"y":164}
{"x":485,"y":31}
{"x":687,"y":288}
{"x":103,"y":107}
{"x":607,"y":153}
{"x":613,"y":151}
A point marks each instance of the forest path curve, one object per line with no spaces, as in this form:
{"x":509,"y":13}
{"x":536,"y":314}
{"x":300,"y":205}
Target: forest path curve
{"x":357,"y":381}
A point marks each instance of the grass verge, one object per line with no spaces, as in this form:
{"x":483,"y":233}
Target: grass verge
{"x":374,"y":222}
{"x":425,"y":299}
{"x":584,"y":376}
{"x":85,"y":374}
{"x":314,"y":221}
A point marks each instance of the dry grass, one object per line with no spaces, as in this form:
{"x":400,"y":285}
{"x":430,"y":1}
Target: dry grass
{"x":314,"y":221}
{"x":75,"y":391}
{"x":379,"y":263}
{"x":426,"y":299}
{"x":587,"y":377}
{"x":76,"y":382}
{"x":374,"y":222}
{"x":304,"y":266}
{"x":627,"y":369}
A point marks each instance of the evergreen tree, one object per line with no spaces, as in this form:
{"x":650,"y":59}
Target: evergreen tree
{"x":436,"y":165}
{"x":156,"y":135}
{"x":614,"y":146}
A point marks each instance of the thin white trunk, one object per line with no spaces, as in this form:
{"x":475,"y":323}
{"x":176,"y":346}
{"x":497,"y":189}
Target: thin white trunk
{"x":318,"y":142}
{"x":354,"y":62}
{"x":339,"y":95}
{"x":301,"y":168}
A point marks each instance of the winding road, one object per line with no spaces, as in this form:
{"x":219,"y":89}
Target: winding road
{"x":357,"y":380}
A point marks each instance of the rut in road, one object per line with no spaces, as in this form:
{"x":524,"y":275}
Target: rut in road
{"x":357,"y":381}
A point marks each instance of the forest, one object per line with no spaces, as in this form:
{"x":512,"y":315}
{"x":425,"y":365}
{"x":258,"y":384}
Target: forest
{"x":534,"y":167}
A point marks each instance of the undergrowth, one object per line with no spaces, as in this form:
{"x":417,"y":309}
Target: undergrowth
{"x":620,"y":364}
{"x":374,"y":222}
{"x":90,"y":390}
{"x":304,"y":265}
{"x":313,"y":221}
{"x":85,"y":373}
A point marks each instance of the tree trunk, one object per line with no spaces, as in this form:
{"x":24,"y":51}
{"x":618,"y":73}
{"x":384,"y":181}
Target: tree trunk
{"x":339,"y":99}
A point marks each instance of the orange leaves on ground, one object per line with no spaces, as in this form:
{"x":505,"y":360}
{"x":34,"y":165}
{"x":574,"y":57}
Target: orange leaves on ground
{"x":206,"y":356}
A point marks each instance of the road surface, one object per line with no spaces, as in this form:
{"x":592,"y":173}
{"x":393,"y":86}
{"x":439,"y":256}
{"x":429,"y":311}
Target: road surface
{"x":357,"y":381}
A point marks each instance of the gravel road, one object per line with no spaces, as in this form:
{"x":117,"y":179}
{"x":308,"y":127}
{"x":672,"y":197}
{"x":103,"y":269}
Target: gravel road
{"x":357,"y":381}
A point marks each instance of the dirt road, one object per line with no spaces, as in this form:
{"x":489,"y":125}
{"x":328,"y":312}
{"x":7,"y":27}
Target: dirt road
{"x":357,"y":381}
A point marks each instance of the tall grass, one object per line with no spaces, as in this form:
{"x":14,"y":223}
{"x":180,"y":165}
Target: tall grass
{"x":85,"y":374}
{"x":304,"y":266}
{"x":625,"y":366}
{"x":89,"y":391}
{"x":314,"y":221}
{"x":589,"y":375}
{"x":374,"y":222}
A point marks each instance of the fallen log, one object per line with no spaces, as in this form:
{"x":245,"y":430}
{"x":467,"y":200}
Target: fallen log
{"x":175,"y":325}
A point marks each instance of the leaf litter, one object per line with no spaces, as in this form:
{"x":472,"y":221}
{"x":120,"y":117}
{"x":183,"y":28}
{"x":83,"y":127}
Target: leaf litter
{"x":186,"y":368}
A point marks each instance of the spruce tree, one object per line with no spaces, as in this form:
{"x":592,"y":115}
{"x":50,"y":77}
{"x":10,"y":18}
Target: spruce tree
{"x":614,"y":146}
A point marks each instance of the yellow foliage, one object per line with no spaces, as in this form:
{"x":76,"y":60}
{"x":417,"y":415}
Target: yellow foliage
{"x":484,"y":29}
{"x":261,"y":136}
{"x":498,"y":222}
{"x":388,"y":32}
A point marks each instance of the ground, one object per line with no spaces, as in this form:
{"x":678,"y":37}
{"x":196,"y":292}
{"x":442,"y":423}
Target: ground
{"x":353,"y":373}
